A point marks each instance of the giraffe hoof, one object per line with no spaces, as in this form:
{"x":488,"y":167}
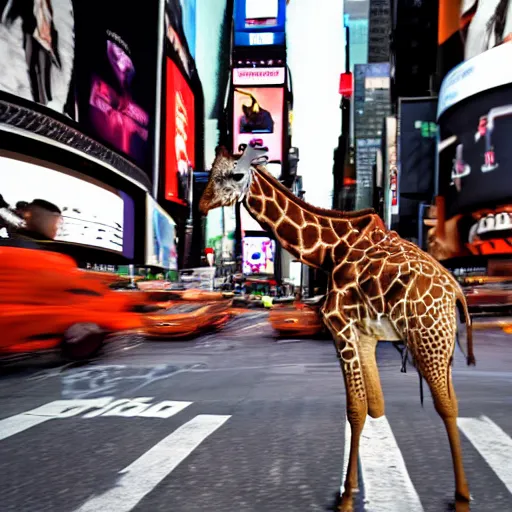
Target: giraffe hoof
{"x":346,"y":504}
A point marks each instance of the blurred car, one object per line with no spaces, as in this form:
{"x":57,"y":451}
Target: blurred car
{"x":186,"y":319}
{"x":47,"y":302}
{"x":489,"y":297}
{"x":298,"y":318}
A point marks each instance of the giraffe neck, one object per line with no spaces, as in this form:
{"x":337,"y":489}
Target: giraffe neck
{"x":306,"y":232}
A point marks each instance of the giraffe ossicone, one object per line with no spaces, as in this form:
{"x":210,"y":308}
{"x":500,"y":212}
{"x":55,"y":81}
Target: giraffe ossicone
{"x":381,"y":288}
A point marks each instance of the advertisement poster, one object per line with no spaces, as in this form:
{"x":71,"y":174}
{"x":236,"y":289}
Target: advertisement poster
{"x":116,"y":75}
{"x":37,"y":45}
{"x":179,"y":135}
{"x":180,"y":29}
{"x":220,"y":232}
{"x":258,"y":114}
{"x":258,"y":255}
{"x":468,"y":28}
{"x":84,"y":212}
{"x":161,"y":237}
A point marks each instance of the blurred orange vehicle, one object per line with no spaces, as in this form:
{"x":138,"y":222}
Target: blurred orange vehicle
{"x":47,"y":302}
{"x":186,"y":319}
{"x":300,"y":318}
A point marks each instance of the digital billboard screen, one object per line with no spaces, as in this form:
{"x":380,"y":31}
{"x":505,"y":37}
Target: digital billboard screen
{"x":37,"y":46}
{"x":258,"y":255}
{"x":91,"y":214}
{"x":258,"y":114}
{"x":161,"y":248}
{"x":467,"y":29}
{"x":116,"y":75}
{"x":179,"y":135}
{"x":418,"y":151}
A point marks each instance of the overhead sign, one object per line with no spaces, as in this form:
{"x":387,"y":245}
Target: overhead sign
{"x":258,"y":76}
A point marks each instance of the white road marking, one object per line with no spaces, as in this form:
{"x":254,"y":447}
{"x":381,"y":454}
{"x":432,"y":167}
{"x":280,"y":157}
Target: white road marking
{"x":493,"y":444}
{"x":346,"y":453}
{"x":253,"y":326}
{"x":57,"y":409}
{"x":387,"y":485}
{"x":142,"y":476}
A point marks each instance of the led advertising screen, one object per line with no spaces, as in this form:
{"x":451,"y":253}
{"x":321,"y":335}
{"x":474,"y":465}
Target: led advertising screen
{"x":116,"y":74}
{"x":258,"y":255}
{"x":258,"y":114}
{"x":259,"y":22}
{"x":160,"y":237}
{"x":469,"y":28}
{"x":475,"y":157}
{"x":37,"y":45}
{"x":91,"y":214}
{"x":418,"y":152}
{"x":179,"y":135}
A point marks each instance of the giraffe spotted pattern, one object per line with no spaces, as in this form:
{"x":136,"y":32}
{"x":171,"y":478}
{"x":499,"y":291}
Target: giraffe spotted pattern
{"x":381,"y":287}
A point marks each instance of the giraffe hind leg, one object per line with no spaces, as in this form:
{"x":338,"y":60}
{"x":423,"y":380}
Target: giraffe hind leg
{"x":372,"y":384}
{"x":437,"y":373}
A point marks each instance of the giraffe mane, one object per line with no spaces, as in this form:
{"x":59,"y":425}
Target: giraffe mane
{"x":325,"y":212}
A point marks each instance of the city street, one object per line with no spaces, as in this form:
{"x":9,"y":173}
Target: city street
{"x":238,"y":421}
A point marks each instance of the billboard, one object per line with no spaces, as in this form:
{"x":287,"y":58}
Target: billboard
{"x":37,"y":45}
{"x":116,"y":75}
{"x":91,"y":213}
{"x":258,"y":255}
{"x":179,"y":135}
{"x":469,"y":28}
{"x":258,"y":113}
{"x":259,"y":22}
{"x":475,"y":157}
{"x":418,"y":147}
{"x":180,"y":29}
{"x":259,"y":76}
{"x":160,"y":237}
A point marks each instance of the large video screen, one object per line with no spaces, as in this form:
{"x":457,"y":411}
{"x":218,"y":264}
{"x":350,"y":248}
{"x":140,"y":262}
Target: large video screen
{"x":474,"y":159}
{"x":116,"y":75}
{"x":418,"y":152}
{"x":467,"y":29}
{"x":161,"y":248}
{"x":258,"y":114}
{"x":258,"y":255}
{"x":91,"y":214}
{"x":179,"y":135}
{"x":37,"y":48}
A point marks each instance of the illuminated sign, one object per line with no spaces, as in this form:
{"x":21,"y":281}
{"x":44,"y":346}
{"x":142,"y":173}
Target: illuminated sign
{"x":258,"y":76}
{"x":261,"y":38}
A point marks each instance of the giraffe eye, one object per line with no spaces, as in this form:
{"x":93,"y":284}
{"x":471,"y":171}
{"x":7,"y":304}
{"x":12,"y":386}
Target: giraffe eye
{"x":238,"y":176}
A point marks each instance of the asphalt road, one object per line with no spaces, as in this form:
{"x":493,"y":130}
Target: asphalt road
{"x":238,"y":421}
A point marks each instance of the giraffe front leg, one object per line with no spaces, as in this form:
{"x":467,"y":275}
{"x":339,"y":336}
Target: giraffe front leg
{"x":357,"y":407}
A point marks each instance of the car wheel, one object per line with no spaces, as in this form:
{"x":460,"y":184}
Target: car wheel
{"x":82,"y":341}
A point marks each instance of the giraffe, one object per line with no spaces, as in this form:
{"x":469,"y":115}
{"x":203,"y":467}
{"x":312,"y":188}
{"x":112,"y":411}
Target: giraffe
{"x":381,"y":287}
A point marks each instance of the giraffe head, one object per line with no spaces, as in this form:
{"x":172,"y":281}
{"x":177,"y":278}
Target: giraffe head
{"x":230,"y":177}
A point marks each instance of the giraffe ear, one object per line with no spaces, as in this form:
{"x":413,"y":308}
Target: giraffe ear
{"x":222,"y":151}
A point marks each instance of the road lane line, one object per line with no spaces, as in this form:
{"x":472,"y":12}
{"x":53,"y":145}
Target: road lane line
{"x":142,"y":476}
{"x":493,"y":444}
{"x":387,"y":484}
{"x":16,"y":424}
{"x":57,"y":409}
{"x":346,"y":453}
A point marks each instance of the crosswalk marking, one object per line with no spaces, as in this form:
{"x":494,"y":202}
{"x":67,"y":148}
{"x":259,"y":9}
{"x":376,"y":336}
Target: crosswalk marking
{"x":387,"y":485}
{"x":494,"y":445}
{"x":142,"y":476}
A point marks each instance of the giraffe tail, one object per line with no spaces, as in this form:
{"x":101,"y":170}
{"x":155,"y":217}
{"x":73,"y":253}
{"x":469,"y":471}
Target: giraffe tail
{"x":470,"y":357}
